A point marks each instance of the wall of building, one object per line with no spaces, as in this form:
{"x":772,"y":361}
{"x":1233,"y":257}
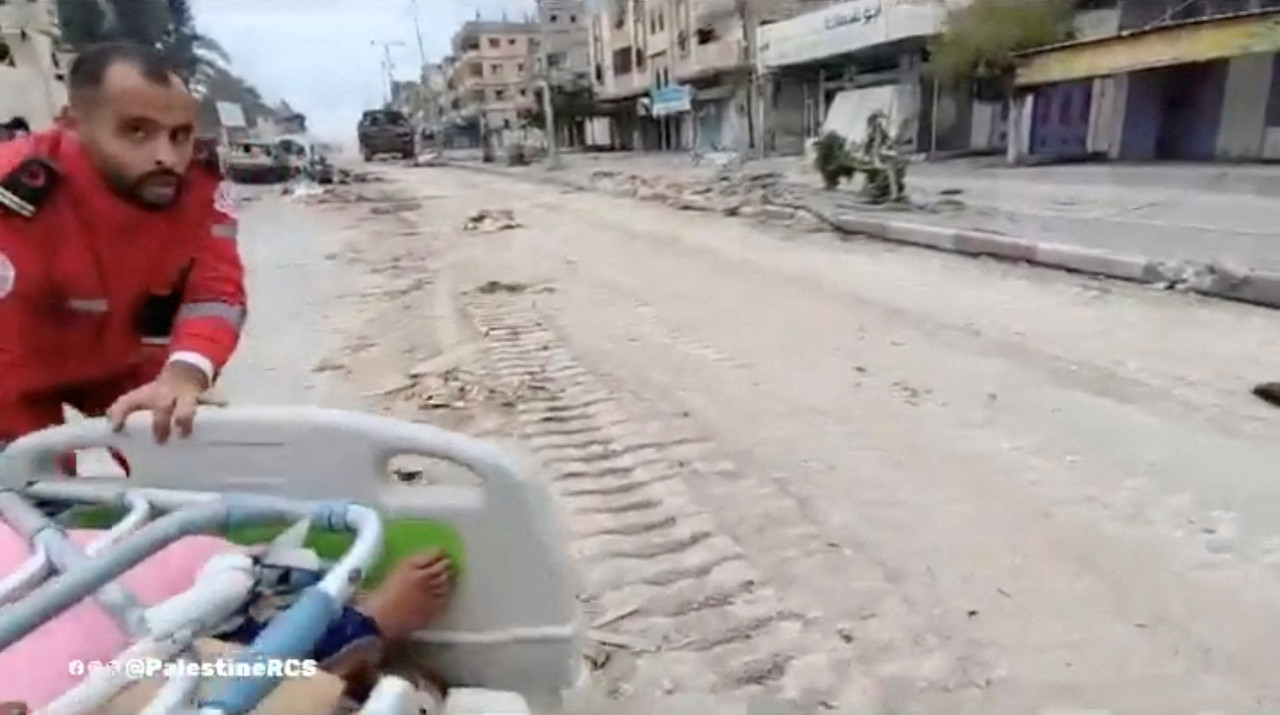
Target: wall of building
{"x":28,"y":84}
{"x":31,"y":84}
{"x":1244,"y":106}
{"x":1271,"y":120}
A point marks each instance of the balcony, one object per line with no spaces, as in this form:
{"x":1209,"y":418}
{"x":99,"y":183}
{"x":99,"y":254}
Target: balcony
{"x":628,"y":85}
{"x":725,"y":55}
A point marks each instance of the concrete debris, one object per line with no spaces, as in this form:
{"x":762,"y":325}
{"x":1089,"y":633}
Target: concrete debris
{"x":457,"y":388}
{"x":302,"y":189}
{"x":1200,"y":277}
{"x":492,"y":287}
{"x":329,"y":364}
{"x":491,"y":220}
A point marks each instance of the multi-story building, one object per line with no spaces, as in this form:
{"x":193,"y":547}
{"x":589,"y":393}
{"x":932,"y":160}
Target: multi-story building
{"x":566,"y":64}
{"x":1155,"y":79}
{"x":679,"y":74}
{"x":32,"y":63}
{"x":564,"y":29}
{"x":489,"y":74}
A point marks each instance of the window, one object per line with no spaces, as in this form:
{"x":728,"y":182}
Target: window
{"x":556,"y":59}
{"x":524,"y":93}
{"x":553,"y":18}
{"x":520,"y":68}
{"x":499,"y":95}
{"x":573,"y":19}
{"x":495,"y":70}
{"x":495,"y":43}
{"x":707,"y":35}
{"x":511,"y":41}
{"x":622,"y":61}
{"x":662,"y":21}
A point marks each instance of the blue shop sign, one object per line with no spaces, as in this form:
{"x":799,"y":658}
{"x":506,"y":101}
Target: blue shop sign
{"x":674,"y":99}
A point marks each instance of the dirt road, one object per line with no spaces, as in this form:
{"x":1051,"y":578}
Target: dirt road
{"x":862,"y":477}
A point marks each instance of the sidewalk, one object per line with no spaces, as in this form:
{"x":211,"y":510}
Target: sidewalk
{"x":1203,"y":225}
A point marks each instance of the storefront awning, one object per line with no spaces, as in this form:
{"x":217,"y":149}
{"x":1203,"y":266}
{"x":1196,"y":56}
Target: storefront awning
{"x":1183,"y":43}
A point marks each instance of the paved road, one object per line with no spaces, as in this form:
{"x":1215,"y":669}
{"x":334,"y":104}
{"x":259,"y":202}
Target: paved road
{"x":1174,"y":212}
{"x":863,"y":474}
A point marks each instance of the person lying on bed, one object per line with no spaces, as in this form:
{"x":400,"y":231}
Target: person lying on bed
{"x":414,"y":593}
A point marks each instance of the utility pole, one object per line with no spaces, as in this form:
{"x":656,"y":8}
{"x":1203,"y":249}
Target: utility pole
{"x":548,"y":105}
{"x":423,"y":89}
{"x":388,"y":65}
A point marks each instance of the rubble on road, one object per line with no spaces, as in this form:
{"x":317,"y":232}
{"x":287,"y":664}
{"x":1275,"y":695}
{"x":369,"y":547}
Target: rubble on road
{"x":491,"y":287}
{"x":491,"y":220}
{"x":1200,"y":277}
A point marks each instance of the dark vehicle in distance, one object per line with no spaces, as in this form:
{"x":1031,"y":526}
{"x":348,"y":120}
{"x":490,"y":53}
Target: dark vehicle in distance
{"x":385,"y":131}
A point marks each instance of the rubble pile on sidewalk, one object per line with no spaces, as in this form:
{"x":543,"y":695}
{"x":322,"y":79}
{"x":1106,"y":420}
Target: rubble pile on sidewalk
{"x":761,"y":194}
{"x":1199,"y":276}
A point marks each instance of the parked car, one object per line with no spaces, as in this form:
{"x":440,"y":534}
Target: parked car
{"x":255,"y":162}
{"x":385,"y":131}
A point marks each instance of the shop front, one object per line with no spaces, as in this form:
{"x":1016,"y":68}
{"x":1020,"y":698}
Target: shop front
{"x":670,"y":108}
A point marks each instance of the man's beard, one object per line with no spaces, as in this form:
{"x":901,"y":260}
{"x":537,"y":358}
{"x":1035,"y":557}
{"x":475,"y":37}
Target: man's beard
{"x":136,"y":190}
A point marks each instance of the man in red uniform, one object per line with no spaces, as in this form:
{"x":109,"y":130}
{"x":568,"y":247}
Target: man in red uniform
{"x":121,"y":287}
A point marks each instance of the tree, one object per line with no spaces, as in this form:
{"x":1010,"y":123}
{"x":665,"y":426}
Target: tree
{"x":196,"y":56}
{"x":83,"y":22}
{"x":980,"y":39}
{"x":169,"y":26}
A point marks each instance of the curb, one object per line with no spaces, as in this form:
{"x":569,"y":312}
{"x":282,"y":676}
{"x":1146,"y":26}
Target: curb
{"x":1257,"y":288}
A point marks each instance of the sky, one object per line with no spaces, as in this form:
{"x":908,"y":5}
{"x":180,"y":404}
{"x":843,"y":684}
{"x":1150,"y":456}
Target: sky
{"x":319,"y":54}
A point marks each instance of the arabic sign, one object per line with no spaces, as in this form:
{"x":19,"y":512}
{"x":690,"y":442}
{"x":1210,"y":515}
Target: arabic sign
{"x":231,"y":115}
{"x":675,"y":99}
{"x":864,"y":15}
{"x":847,"y":27}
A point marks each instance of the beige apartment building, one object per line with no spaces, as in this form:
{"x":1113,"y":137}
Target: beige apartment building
{"x":488,"y":76}
{"x":32,"y":65}
{"x":678,"y":74}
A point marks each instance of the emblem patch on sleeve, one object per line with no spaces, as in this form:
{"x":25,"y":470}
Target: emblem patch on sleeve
{"x":224,"y":199}
{"x":8,"y":275}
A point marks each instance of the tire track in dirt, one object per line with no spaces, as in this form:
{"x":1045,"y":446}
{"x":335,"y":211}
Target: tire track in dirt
{"x":705,"y":618}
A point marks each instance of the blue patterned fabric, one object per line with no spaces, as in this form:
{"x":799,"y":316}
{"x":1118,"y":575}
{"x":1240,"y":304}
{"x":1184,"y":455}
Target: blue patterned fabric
{"x":277,"y":588}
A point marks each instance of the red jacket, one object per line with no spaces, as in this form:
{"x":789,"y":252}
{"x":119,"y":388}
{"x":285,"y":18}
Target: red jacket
{"x":88,"y":281}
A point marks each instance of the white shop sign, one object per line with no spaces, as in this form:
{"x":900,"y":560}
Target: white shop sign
{"x":847,"y":27}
